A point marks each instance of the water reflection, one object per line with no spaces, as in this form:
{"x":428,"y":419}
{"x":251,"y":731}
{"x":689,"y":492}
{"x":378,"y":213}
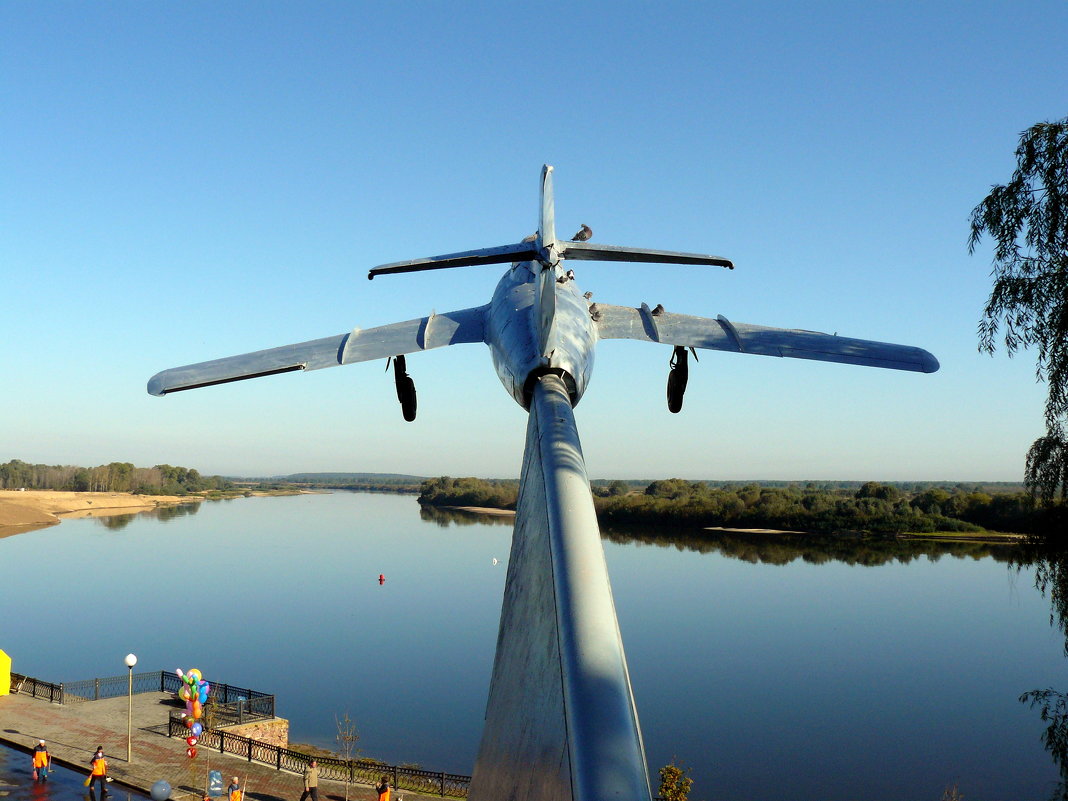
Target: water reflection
{"x":1051,"y":579}
{"x":17,"y":784}
{"x":762,"y":666}
{"x":446,"y":516}
{"x":161,"y":513}
{"x":782,"y":549}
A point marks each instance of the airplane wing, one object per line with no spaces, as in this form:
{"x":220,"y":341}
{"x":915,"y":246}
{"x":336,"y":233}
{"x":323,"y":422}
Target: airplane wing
{"x":623,"y":322}
{"x":411,"y":336}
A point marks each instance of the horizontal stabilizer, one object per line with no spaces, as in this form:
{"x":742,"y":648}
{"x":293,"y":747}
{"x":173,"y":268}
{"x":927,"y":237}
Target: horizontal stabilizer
{"x":587,"y":251}
{"x":395,"y":339}
{"x":521,"y":251}
{"x":622,"y":322}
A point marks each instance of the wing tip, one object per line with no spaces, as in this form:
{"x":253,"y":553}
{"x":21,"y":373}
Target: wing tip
{"x":928,"y":362}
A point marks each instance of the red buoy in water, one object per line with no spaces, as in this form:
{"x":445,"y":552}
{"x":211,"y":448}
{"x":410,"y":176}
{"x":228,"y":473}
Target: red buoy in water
{"x":381,"y":578}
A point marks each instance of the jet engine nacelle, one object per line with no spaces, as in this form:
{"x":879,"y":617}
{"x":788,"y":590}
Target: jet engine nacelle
{"x":677,"y":378}
{"x":405,"y":388}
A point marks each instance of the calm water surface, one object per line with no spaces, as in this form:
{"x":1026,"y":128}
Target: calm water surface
{"x":771,"y":673}
{"x":17,"y":784}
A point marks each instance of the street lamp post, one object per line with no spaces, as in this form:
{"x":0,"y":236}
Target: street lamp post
{"x":130,"y":660}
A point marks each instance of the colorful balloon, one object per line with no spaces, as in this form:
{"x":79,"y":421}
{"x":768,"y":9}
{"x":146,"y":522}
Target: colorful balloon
{"x":198,"y":729}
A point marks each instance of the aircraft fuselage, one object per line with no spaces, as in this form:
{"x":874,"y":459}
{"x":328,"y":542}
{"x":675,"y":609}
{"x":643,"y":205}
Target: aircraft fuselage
{"x":538,"y":322}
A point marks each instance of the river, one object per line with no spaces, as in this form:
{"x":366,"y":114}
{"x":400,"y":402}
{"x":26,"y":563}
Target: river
{"x":771,"y":668}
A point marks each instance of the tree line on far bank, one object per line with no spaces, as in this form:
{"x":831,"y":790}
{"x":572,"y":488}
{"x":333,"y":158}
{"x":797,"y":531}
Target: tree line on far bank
{"x":871,"y":508}
{"x":162,"y":479}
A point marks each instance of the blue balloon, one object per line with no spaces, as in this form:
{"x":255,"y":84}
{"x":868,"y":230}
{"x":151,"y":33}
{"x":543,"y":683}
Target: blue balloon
{"x":197,"y":729}
{"x":161,"y":791}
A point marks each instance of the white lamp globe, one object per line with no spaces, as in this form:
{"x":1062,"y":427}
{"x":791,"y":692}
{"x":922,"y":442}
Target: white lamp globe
{"x":130,"y":660}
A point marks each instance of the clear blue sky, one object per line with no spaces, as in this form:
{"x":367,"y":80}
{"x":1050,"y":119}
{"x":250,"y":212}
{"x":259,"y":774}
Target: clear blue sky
{"x":184,"y":181}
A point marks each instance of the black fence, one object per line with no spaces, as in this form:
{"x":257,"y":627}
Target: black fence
{"x":428,"y":782}
{"x":28,"y":685}
{"x":229,"y":704}
{"x":112,"y":687}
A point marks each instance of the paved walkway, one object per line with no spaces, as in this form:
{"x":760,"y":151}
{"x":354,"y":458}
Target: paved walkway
{"x":73,"y":732}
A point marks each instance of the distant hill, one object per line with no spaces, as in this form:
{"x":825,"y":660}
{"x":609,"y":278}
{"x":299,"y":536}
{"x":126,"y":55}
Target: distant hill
{"x":339,"y":479}
{"x":385,"y":479}
{"x":318,"y":478}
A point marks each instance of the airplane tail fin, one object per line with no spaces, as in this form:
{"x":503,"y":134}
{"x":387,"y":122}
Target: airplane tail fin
{"x":547,"y":215}
{"x":543,"y":246}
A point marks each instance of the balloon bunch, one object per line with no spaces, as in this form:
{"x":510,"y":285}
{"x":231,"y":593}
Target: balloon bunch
{"x":194,"y":691}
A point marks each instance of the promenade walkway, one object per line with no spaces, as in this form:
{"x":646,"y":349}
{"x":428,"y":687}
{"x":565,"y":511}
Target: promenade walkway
{"x":73,"y":732}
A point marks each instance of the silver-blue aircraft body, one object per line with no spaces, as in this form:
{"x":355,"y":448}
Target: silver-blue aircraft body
{"x":538,"y":321}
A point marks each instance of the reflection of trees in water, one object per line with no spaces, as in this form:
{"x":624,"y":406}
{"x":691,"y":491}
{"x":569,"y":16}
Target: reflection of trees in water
{"x":165,"y":513}
{"x":161,"y":513}
{"x":443,"y":517}
{"x":116,"y":522}
{"x":1051,"y":579}
{"x":782,"y":549}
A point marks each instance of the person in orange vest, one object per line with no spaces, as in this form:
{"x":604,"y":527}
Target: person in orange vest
{"x":233,"y":792}
{"x":382,"y":788}
{"x":100,"y":771}
{"x":42,"y":761}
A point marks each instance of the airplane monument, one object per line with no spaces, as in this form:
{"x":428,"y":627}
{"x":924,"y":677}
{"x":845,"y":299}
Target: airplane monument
{"x":561,"y":723}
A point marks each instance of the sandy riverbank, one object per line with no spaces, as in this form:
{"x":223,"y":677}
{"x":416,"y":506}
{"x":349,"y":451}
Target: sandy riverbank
{"x":26,"y":510}
{"x":484,"y":510}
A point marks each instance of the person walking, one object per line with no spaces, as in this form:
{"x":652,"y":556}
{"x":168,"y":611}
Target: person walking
{"x":382,"y":788}
{"x":311,"y":782}
{"x":42,"y":761}
{"x":233,"y":792}
{"x":100,"y":771}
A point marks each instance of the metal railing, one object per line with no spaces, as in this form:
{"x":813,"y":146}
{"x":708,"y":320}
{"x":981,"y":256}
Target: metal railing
{"x":36,"y":688}
{"x":233,"y":704}
{"x":111,"y":687}
{"x":446,"y":785}
{"x":230,"y":704}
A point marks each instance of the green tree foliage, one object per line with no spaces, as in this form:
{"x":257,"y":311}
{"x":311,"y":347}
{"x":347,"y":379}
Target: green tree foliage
{"x":675,"y":785}
{"x":446,"y":491}
{"x":1027,"y":219}
{"x":114,"y":477}
{"x":873,"y":508}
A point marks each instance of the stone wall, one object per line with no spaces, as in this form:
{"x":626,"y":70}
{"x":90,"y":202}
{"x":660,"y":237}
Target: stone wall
{"x":273,"y":732}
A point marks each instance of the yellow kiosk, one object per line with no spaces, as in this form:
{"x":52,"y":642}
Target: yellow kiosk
{"x":5,"y":673}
